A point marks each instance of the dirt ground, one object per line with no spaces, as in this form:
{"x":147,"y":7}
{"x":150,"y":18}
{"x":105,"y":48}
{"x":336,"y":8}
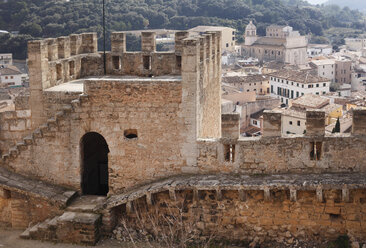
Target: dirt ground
{"x":10,"y":239}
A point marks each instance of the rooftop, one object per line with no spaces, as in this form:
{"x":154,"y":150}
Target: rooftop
{"x":244,"y":79}
{"x":270,"y":41}
{"x":310,"y":101}
{"x":305,"y":77}
{"x":78,"y":85}
{"x":208,"y":28}
{"x":323,"y":62}
{"x":11,"y":70}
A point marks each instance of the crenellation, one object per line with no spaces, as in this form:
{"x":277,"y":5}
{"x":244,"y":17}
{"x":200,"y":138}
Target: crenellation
{"x":148,"y":42}
{"x":179,"y":41}
{"x":230,"y":125}
{"x":75,"y":44}
{"x":315,"y":122}
{"x":89,"y":43}
{"x":52,"y":49}
{"x":272,"y":123}
{"x":118,"y":42}
{"x":359,"y":121}
{"x":63,"y":47}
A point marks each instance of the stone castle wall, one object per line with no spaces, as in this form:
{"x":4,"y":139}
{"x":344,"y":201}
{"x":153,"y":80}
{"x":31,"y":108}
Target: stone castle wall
{"x":250,"y":216}
{"x":19,"y":211}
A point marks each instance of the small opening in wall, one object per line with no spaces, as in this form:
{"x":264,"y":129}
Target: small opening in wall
{"x":59,"y":71}
{"x":130,"y":134}
{"x":334,"y":217}
{"x":316,"y":150}
{"x":178,"y":62}
{"x":72,"y":68}
{"x":116,"y":60}
{"x":229,"y":153}
{"x":147,"y":62}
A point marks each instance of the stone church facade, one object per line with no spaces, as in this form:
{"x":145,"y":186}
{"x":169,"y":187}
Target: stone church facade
{"x":281,"y":44}
{"x":148,"y":139}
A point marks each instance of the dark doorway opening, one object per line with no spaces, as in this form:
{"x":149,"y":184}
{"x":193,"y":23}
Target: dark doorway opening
{"x":94,"y":167}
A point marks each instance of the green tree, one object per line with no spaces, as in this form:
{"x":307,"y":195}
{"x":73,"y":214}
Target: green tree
{"x":337,"y":128}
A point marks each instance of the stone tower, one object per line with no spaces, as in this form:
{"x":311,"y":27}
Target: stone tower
{"x":250,"y":35}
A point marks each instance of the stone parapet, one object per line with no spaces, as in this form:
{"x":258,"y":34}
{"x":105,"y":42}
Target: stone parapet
{"x":359,"y":121}
{"x":315,"y":122}
{"x":271,"y":123}
{"x":230,"y":126}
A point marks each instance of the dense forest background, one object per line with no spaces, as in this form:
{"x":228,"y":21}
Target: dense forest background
{"x":40,"y":18}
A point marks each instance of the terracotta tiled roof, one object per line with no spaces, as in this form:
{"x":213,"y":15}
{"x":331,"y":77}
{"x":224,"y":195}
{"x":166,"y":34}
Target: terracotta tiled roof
{"x":10,"y":71}
{"x":245,"y":79}
{"x":305,"y":77}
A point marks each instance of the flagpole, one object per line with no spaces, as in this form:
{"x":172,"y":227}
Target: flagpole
{"x":104,"y":56}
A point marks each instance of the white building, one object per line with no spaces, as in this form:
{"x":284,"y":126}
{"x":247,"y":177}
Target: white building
{"x":228,"y":40}
{"x":319,"y":49}
{"x":355,"y":44}
{"x":325,"y":68}
{"x":291,"y":84}
{"x":10,"y":77}
{"x":6,"y":59}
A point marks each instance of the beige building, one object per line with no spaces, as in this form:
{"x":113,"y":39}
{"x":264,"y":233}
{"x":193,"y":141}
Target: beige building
{"x":294,"y":118}
{"x":343,"y":71}
{"x":281,"y":44}
{"x":325,"y":68}
{"x":228,"y":40}
{"x":258,"y":84}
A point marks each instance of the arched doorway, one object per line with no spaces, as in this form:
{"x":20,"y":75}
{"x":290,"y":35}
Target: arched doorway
{"x":94,"y":164}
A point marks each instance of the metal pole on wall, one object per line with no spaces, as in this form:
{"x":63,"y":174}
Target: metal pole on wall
{"x":104,"y":56}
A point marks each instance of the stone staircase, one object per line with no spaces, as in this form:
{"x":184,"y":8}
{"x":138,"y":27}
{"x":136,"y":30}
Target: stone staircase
{"x":79,"y":224}
{"x":49,"y":128}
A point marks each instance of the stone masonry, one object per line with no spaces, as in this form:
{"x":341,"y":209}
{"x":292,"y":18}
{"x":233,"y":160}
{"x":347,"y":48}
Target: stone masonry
{"x":159,"y":114}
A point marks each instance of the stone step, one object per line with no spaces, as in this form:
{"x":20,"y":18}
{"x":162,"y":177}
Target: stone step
{"x":79,"y":228}
{"x":87,"y":204}
{"x":25,"y":234}
{"x":33,"y":231}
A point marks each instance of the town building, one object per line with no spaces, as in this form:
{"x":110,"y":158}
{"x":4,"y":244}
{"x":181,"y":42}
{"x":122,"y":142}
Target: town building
{"x":281,"y":44}
{"x":11,"y":76}
{"x":294,"y":118}
{"x":228,"y":40}
{"x":253,"y":83}
{"x":325,"y":68}
{"x":291,"y":84}
{"x":319,"y":50}
{"x":343,"y":71}
{"x":355,"y":44}
{"x":6,"y":59}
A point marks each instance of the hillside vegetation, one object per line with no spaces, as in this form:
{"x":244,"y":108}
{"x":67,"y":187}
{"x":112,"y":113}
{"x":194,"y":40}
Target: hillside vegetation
{"x":39,"y":18}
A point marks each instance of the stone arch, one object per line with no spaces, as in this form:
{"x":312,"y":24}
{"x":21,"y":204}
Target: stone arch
{"x":94,"y":164}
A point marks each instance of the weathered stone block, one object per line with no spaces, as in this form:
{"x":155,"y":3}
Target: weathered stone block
{"x":271,"y":123}
{"x":315,"y":122}
{"x":359,"y":121}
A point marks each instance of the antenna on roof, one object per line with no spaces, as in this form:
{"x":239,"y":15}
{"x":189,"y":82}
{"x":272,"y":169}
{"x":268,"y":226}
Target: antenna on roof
{"x":104,"y":56}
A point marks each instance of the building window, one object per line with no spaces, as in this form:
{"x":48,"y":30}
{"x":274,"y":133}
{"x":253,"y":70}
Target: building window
{"x":324,"y":85}
{"x":71,"y":68}
{"x":147,"y":62}
{"x":302,"y":85}
{"x":11,"y":77}
{"x":58,"y":71}
{"x":317,"y":93}
{"x":317,"y":85}
{"x":227,"y":44}
{"x":298,"y":123}
{"x":297,"y":84}
{"x":271,"y":88}
{"x":130,"y":134}
{"x":290,"y":122}
{"x":178,"y":61}
{"x":254,"y":122}
{"x":6,"y":77}
{"x":315,"y":150}
{"x":297,"y":94}
{"x":229,"y":151}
